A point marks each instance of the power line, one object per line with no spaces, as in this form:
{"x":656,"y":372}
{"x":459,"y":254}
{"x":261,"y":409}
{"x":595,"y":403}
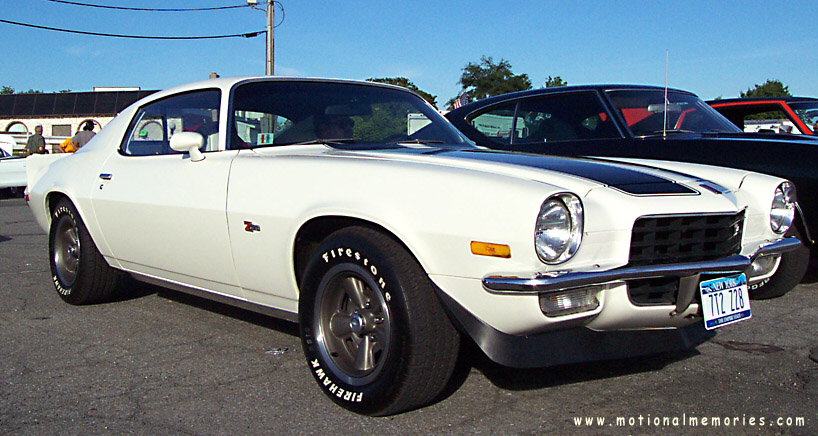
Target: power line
{"x":238,"y":35}
{"x":148,"y":9}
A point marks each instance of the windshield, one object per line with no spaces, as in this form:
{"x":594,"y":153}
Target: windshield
{"x":272,"y":113}
{"x":646,"y":112}
{"x":808,"y":112}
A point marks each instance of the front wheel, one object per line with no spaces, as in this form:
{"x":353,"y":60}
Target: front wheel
{"x":79,"y":273}
{"x":375,"y":336}
{"x":791,"y":270}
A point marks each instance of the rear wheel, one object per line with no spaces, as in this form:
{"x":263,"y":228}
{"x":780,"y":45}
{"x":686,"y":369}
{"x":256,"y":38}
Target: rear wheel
{"x":79,"y":273}
{"x":790,"y":271}
{"x":375,"y":336}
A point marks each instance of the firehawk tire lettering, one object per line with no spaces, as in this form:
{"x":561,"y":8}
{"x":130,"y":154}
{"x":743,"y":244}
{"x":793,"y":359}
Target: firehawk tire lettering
{"x":332,"y":388}
{"x":60,"y":289}
{"x":79,"y":272}
{"x":372,"y":351}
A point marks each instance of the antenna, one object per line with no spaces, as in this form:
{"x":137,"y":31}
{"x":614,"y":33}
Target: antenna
{"x":664,"y":124}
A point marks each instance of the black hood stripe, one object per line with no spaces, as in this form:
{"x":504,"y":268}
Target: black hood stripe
{"x":619,"y":176}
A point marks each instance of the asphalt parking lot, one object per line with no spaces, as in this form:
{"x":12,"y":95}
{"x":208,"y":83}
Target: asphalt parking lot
{"x":161,"y":362}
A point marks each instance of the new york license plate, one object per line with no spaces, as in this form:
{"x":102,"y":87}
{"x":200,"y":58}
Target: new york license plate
{"x":725,"y":301}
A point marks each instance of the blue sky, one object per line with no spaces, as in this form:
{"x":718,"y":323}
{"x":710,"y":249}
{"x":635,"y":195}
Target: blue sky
{"x":716,"y":48}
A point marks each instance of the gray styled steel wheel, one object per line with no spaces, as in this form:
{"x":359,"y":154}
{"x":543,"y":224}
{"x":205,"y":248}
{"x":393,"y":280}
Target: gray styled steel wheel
{"x":79,"y":272}
{"x":375,"y":335}
{"x":353,"y":323}
{"x":66,"y":251}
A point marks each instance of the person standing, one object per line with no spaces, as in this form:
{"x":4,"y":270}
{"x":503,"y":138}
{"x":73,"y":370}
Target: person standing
{"x":83,"y":136}
{"x":36,"y":142}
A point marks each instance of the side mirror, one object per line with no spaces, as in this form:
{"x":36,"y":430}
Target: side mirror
{"x":188,"y":142}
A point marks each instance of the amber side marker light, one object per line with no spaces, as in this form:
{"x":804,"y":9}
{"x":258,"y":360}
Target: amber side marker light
{"x":489,"y":249}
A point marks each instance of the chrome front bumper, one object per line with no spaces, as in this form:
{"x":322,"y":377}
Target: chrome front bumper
{"x":562,"y":280}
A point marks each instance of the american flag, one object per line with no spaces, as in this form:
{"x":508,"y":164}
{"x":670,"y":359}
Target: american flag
{"x":461,"y":100}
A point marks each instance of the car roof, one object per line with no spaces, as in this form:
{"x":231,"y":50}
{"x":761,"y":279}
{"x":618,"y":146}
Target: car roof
{"x":560,"y":89}
{"x":226,"y":83}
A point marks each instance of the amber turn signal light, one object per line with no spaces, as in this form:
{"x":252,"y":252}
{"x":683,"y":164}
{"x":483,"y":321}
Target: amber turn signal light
{"x":489,"y":249}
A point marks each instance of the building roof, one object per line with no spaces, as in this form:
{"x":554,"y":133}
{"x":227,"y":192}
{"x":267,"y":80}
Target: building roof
{"x":67,"y":104}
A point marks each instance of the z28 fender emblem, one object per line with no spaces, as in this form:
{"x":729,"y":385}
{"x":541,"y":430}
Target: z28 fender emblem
{"x":250,"y":227}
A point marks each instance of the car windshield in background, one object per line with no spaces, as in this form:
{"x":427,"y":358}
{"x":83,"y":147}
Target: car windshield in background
{"x":338,"y":114}
{"x":808,"y":112}
{"x":647,"y":113}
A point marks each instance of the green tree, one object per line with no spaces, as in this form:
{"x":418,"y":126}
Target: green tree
{"x":406,"y":83}
{"x":387,"y":119}
{"x":553,"y":82}
{"x":7,"y":90}
{"x":487,"y":78}
{"x":770,"y":88}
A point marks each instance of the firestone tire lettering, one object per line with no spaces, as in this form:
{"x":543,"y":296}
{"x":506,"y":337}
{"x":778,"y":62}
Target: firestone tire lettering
{"x":375,"y":336}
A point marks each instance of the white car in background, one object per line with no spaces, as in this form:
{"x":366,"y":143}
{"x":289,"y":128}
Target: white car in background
{"x":7,"y":144}
{"x":318,"y":201}
{"x":12,"y":173}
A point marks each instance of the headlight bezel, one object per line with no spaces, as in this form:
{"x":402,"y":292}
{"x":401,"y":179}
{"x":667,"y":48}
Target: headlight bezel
{"x":782,"y":209}
{"x":558,"y":229}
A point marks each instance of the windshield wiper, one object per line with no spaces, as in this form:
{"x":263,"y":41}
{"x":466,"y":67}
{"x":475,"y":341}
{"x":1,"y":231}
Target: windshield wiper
{"x":416,"y":141}
{"x":660,"y":132}
{"x":329,"y":142}
{"x":352,"y":144}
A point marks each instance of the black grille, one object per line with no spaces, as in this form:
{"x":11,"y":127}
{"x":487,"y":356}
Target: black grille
{"x":653,"y":292}
{"x":685,"y":238}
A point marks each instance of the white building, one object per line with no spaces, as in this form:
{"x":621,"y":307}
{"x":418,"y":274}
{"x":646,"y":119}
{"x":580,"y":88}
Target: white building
{"x":62,"y":114}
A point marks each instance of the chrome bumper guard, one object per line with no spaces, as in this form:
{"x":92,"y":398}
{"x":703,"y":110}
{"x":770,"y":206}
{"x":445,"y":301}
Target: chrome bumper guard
{"x":562,"y":280}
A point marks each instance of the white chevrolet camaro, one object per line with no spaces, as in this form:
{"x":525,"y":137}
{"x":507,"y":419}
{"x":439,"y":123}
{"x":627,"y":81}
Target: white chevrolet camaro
{"x":357,"y":211}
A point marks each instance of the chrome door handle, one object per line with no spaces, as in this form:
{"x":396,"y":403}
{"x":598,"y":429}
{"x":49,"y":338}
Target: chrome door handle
{"x":106,"y":176}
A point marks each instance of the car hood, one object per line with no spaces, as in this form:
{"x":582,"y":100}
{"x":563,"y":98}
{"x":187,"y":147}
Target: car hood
{"x":631,"y":178}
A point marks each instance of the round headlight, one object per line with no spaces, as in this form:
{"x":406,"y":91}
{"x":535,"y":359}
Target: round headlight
{"x":559,"y":228}
{"x":782,"y":212}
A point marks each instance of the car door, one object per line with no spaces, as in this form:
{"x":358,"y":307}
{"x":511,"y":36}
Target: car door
{"x":162,"y":214}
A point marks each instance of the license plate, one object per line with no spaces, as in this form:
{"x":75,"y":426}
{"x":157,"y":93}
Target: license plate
{"x":725,"y":301}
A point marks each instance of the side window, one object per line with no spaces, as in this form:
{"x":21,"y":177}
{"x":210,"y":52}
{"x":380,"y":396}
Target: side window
{"x":809,"y":115}
{"x":497,"y":123}
{"x":155,"y":123}
{"x":563,"y":117}
{"x":769,"y":119}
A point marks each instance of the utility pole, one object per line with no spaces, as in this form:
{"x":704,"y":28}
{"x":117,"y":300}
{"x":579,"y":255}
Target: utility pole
{"x":270,"y":38}
{"x":270,"y":58}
